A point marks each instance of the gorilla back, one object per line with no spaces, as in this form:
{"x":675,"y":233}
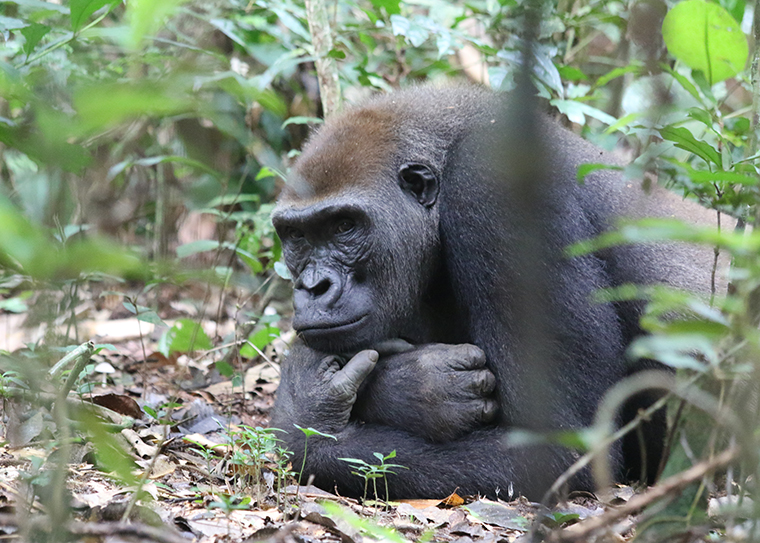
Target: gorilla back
{"x":404,"y":236}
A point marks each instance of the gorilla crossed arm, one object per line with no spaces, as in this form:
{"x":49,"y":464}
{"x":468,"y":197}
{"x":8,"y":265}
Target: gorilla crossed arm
{"x":400,"y":235}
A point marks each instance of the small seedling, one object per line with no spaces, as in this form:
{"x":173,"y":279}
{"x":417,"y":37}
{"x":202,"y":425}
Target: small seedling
{"x":228,"y":504}
{"x":309,"y":432}
{"x":373,"y":472}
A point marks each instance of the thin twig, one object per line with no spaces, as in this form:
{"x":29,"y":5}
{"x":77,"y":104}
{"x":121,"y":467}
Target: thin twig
{"x":670,"y":487}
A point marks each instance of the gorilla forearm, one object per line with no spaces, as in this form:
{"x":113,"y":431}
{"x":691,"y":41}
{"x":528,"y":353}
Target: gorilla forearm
{"x":480,"y":463}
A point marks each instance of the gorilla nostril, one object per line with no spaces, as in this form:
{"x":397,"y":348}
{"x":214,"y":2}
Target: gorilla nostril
{"x":320,"y":288}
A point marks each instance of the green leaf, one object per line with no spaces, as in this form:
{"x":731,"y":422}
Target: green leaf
{"x":634,"y":68}
{"x":302,"y":120}
{"x":391,"y":6}
{"x":705,"y":37}
{"x":578,"y":111}
{"x":282,"y":270}
{"x":82,"y":9}
{"x":150,"y":317}
{"x":586,"y":169}
{"x":103,"y":106}
{"x":683,"y":81}
{"x":686,"y":141}
{"x":224,"y":368}
{"x":195,"y":247}
{"x":185,"y":336}
{"x":9,"y":23}
{"x":571,"y":73}
{"x":259,"y":339}
{"x":414,"y":33}
{"x":146,"y":17}
{"x":33,"y":34}
{"x":308,"y":432}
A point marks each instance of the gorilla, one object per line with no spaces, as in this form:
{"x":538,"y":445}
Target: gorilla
{"x":403,"y":237}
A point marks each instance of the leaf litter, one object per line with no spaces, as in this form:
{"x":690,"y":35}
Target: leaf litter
{"x":189,"y":434}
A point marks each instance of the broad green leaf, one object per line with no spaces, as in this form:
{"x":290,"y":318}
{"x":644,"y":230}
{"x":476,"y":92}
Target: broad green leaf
{"x":282,"y":270}
{"x":705,"y":37}
{"x":82,"y":9}
{"x":414,"y":33}
{"x":26,"y":247}
{"x":146,"y":17}
{"x":686,"y":141}
{"x":195,"y":247}
{"x":10,"y":23}
{"x":391,"y":6}
{"x":259,"y":339}
{"x":151,"y":317}
{"x":683,"y":81}
{"x":622,"y":123}
{"x":185,"y":336}
{"x":33,"y":34}
{"x":290,"y":22}
{"x":578,"y":111}
{"x":680,"y":351}
{"x":634,"y":68}
{"x":104,"y":106}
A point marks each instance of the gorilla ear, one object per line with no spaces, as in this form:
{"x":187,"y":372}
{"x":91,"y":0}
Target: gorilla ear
{"x":418,"y":180}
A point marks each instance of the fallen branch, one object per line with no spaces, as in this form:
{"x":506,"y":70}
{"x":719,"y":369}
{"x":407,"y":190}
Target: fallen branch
{"x":671,"y":486}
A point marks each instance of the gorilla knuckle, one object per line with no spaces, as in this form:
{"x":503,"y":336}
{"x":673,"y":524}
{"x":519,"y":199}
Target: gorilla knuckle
{"x":488,"y":411}
{"x":486,"y":382}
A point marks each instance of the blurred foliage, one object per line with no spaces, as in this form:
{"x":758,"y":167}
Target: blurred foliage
{"x":119,"y":122}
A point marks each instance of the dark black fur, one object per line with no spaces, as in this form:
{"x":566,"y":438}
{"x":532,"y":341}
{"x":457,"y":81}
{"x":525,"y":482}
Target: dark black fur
{"x":398,"y":223}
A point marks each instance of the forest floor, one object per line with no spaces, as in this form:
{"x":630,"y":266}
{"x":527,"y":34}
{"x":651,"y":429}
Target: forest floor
{"x":196,"y":445}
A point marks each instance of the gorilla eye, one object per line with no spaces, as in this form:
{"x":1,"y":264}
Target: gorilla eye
{"x":344,"y":226}
{"x":292,"y":234}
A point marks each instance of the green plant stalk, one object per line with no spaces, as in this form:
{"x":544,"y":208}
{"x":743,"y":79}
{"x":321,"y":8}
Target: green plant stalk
{"x":84,"y":351}
{"x":66,"y":40}
{"x":303,"y":462}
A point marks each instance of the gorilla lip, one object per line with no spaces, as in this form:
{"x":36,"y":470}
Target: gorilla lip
{"x":333,"y":327}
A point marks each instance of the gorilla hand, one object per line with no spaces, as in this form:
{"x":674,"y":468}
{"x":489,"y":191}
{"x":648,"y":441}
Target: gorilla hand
{"x":331,"y":391}
{"x":437,"y":391}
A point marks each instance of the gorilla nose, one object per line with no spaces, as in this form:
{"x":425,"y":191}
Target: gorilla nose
{"x":320,"y":288}
{"x":319,"y":284}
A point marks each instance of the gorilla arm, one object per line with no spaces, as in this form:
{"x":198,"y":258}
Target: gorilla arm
{"x":438,"y":391}
{"x":315,"y":392}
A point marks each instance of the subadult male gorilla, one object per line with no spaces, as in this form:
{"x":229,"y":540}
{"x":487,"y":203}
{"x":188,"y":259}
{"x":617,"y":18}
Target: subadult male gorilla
{"x":400,"y":235}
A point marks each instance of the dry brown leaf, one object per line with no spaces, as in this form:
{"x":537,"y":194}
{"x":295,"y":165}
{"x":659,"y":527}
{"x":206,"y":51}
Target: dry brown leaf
{"x":453,"y":500}
{"x":142,"y":449}
{"x":421,"y":504}
{"x":162,"y":467}
{"x":120,"y":403}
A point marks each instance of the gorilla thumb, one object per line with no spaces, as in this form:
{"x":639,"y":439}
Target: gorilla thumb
{"x":346,"y":381}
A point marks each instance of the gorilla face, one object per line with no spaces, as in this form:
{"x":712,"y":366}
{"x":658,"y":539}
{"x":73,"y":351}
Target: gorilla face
{"x":358,"y":270}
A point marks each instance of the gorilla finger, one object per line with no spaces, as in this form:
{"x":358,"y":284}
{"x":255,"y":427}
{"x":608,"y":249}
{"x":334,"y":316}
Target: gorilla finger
{"x":393,"y":346}
{"x":488,"y":411}
{"x":480,"y":383}
{"x":469,"y":357}
{"x":347,"y":380}
{"x":329,"y":365}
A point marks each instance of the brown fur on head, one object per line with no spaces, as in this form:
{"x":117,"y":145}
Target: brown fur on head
{"x":349,"y":152}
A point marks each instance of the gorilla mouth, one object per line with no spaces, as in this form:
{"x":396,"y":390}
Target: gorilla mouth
{"x":332,"y":327}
